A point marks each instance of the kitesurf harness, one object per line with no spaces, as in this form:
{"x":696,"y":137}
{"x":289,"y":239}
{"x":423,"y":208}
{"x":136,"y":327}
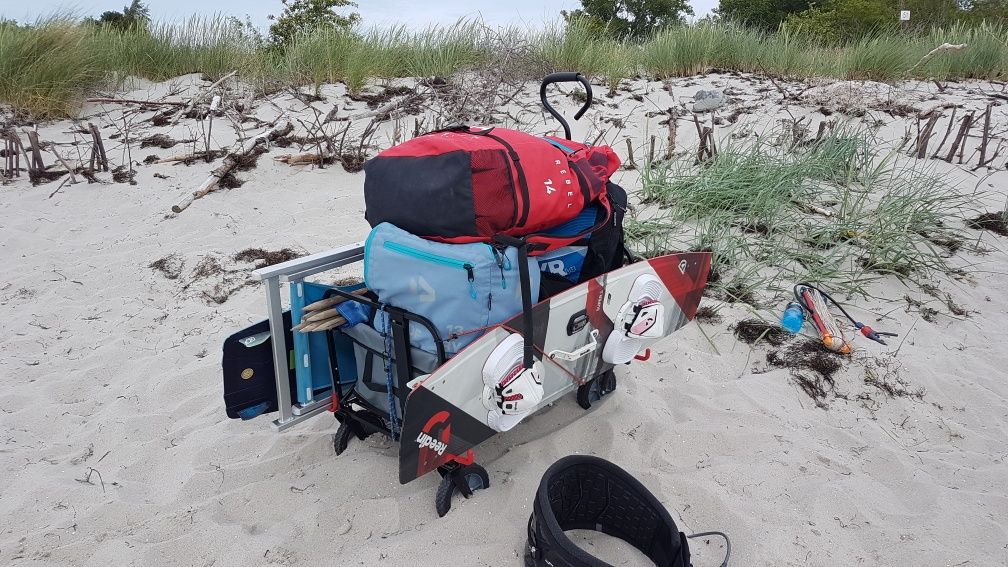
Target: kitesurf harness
{"x":581,"y":492}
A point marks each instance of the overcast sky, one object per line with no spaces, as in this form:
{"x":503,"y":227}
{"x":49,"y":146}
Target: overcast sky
{"x":414,"y":13}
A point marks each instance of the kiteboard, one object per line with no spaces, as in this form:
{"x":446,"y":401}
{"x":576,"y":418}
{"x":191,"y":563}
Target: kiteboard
{"x":578,"y":335}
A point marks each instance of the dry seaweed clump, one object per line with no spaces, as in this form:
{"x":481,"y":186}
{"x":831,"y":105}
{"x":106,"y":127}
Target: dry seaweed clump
{"x":751,"y":331}
{"x":708,"y":314}
{"x":808,"y":354}
{"x":170,"y":266}
{"x":994,"y":222}
{"x":263,"y":258}
{"x":208,"y":266}
{"x":812,"y":367}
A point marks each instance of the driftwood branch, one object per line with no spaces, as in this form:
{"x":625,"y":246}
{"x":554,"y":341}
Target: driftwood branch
{"x":948,"y":131}
{"x":673,"y":126}
{"x":73,"y":179}
{"x":960,"y":137}
{"x":35,"y":163}
{"x":986,"y":135}
{"x":231,"y":161}
{"x":631,"y":164}
{"x":939,"y":49}
{"x":299,"y":159}
{"x":136,"y":101}
{"x":199,"y":96}
{"x":924,"y":138}
{"x":12,"y":158}
{"x":97,"y":150}
{"x":387,"y":108}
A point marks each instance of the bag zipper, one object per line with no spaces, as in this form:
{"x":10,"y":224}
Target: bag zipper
{"x":436,"y":259}
{"x":503,"y":262}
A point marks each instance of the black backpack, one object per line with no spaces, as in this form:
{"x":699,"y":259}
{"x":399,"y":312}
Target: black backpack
{"x":606,"y":248}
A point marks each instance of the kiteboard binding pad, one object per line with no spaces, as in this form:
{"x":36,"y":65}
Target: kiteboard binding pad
{"x":578,"y":336}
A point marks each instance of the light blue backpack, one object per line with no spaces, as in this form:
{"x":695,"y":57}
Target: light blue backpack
{"x":460,"y":288}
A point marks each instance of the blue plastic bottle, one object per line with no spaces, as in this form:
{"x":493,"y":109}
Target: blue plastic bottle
{"x":794,"y":317}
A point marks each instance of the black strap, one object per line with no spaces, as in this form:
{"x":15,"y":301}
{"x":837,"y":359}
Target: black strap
{"x":526,"y":291}
{"x":522,"y":180}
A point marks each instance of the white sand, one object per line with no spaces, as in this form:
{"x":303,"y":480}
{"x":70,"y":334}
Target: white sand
{"x":117,"y":450}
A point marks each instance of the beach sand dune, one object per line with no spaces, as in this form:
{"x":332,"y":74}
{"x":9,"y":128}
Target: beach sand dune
{"x":116,"y":449}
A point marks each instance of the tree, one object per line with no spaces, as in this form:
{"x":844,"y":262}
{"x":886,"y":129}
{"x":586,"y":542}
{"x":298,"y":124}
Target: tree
{"x":991,"y":10}
{"x":766,"y":14}
{"x":632,"y":18}
{"x":301,"y":16}
{"x":851,"y":19}
{"x":136,"y":14}
{"x":840,"y":20}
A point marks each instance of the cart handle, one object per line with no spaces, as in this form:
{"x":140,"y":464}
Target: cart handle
{"x":566,"y":77}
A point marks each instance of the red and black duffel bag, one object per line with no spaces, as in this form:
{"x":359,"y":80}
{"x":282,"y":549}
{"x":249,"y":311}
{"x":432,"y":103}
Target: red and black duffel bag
{"x":468,"y":184}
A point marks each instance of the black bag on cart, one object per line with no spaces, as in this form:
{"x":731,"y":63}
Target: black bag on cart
{"x":603,"y":251}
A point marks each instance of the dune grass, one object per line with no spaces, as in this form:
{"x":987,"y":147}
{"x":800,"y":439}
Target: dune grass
{"x":46,"y":70}
{"x":843,"y":211}
{"x":48,"y":66}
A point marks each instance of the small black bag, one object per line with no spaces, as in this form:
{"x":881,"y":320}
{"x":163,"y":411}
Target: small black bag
{"x":606,"y":248}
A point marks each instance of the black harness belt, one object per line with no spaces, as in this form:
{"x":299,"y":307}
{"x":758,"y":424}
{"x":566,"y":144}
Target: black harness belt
{"x":582,"y":492}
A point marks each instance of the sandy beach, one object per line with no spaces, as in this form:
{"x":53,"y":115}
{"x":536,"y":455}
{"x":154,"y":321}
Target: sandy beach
{"x":117,"y":450}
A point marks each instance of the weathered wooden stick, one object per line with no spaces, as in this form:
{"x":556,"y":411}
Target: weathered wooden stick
{"x":36,"y":162}
{"x":210,"y":183}
{"x":925,"y":137}
{"x":985,"y":139}
{"x":231,"y":161}
{"x":136,"y":101}
{"x":180,"y":157}
{"x":962,"y":148}
{"x":703,"y":150}
{"x":948,"y":131}
{"x":959,"y":137}
{"x":199,"y":96}
{"x":73,"y":179}
{"x":939,"y":49}
{"x":298,"y":159}
{"x":630,"y":158}
{"x":673,"y":126}
{"x":936,"y":108}
{"x":651,"y":150}
{"x":13,"y":155}
{"x":699,"y":128}
{"x":98,"y":150}
{"x":997,"y":152}
{"x":385,"y":109}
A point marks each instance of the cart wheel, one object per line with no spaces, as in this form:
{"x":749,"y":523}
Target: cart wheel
{"x":473,"y":477}
{"x":341,"y":438}
{"x":596,"y":389}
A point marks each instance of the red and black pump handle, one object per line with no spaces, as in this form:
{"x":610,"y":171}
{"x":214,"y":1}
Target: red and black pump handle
{"x":566,"y":77}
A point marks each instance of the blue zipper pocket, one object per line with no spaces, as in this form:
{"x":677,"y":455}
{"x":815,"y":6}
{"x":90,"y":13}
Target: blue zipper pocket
{"x":436,"y":259}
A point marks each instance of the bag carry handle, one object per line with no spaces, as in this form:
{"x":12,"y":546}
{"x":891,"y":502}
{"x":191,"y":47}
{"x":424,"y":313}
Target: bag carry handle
{"x":566,"y":77}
